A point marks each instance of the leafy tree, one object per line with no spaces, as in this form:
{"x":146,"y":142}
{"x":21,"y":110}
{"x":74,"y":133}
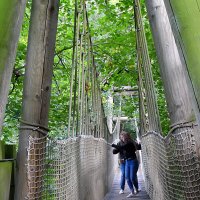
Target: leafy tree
{"x":113,"y":35}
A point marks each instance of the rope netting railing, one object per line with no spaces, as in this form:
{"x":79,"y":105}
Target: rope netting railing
{"x":171,"y":164}
{"x":71,"y":169}
{"x":79,"y":167}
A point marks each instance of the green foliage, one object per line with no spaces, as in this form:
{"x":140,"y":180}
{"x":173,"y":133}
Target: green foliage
{"x":130,"y":128}
{"x":114,"y":42}
{"x":113,"y":36}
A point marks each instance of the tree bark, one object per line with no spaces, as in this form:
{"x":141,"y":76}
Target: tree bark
{"x":11,"y":17}
{"x":186,"y":20}
{"x":37,"y":83}
{"x":172,"y":65}
{"x":177,"y":85}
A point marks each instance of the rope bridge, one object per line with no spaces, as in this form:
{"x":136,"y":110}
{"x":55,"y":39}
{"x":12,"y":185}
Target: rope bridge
{"x":171,"y":165}
{"x":80,"y":166}
{"x":76,"y":167}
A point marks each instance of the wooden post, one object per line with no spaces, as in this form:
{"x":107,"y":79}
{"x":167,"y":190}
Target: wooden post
{"x":37,"y":83}
{"x":172,"y":64}
{"x":110,"y":112}
{"x":5,"y":178}
{"x":11,"y":17}
{"x":185,"y":20}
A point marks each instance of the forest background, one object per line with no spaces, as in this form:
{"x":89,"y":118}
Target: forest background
{"x":112,"y":30}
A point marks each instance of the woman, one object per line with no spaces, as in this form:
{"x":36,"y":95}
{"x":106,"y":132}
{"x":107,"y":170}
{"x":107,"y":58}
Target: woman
{"x":121,"y":163}
{"x":131,"y":162}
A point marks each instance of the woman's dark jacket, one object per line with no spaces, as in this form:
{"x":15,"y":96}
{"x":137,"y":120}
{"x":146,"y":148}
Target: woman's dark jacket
{"x":128,"y":149}
{"x":120,"y":151}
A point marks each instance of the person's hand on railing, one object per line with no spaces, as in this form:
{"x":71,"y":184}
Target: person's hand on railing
{"x":114,"y":145}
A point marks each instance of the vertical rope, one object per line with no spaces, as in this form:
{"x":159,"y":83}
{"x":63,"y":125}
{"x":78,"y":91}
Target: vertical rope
{"x":143,"y":57}
{"x":72,"y":70}
{"x":86,"y":114}
{"x":143,"y":121}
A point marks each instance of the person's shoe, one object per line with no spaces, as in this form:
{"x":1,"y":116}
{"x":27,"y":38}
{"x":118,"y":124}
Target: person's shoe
{"x":121,"y":192}
{"x":130,"y":195}
{"x":136,"y":191}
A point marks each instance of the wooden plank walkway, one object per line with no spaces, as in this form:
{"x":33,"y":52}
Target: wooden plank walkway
{"x":114,"y":193}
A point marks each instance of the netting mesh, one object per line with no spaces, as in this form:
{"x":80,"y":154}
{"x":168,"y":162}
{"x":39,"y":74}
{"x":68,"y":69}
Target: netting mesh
{"x":171,"y":166}
{"x":70,"y":169}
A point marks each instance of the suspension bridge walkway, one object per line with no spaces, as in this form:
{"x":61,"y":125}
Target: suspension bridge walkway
{"x":114,"y":193}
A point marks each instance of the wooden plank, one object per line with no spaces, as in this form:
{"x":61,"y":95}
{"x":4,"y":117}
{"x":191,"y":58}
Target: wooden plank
{"x":114,"y":193}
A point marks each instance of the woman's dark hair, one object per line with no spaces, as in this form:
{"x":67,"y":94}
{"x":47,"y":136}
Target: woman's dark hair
{"x":121,"y":134}
{"x":127,"y":137}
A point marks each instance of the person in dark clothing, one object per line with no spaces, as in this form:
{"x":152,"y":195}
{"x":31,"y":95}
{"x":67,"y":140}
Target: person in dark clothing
{"x":129,"y":147}
{"x":121,"y":163}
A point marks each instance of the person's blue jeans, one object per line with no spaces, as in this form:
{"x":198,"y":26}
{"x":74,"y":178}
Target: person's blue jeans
{"x":131,"y":168}
{"x":122,"y":181}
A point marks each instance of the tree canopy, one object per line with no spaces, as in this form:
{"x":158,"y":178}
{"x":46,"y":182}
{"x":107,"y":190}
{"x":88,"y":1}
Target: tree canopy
{"x":113,"y":36}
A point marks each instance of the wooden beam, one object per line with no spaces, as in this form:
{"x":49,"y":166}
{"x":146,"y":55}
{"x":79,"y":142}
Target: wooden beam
{"x":126,"y":93}
{"x":120,"y":118}
{"x":172,"y":64}
{"x":186,"y":19}
{"x":11,"y":17}
{"x":125,"y":88}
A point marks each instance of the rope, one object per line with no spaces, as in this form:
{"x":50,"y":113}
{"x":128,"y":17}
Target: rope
{"x":59,"y":169}
{"x":34,"y":127}
{"x":144,"y":61}
{"x":181,"y":125}
{"x":72,"y":69}
{"x":171,"y":163}
{"x":143,"y":121}
{"x":85,"y":109}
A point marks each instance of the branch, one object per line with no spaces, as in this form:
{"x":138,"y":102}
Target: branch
{"x":64,"y":49}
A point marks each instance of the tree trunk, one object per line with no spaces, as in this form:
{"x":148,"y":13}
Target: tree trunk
{"x":187,"y":20}
{"x":172,"y":65}
{"x":37,"y":83}
{"x":179,"y":97}
{"x":11,"y":17}
{"x":184,"y":19}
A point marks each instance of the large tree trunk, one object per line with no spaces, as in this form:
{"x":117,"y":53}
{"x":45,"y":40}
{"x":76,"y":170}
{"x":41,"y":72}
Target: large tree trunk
{"x":172,"y":65}
{"x":187,"y":22}
{"x":11,"y":17}
{"x":37,"y":83}
{"x":179,"y":97}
